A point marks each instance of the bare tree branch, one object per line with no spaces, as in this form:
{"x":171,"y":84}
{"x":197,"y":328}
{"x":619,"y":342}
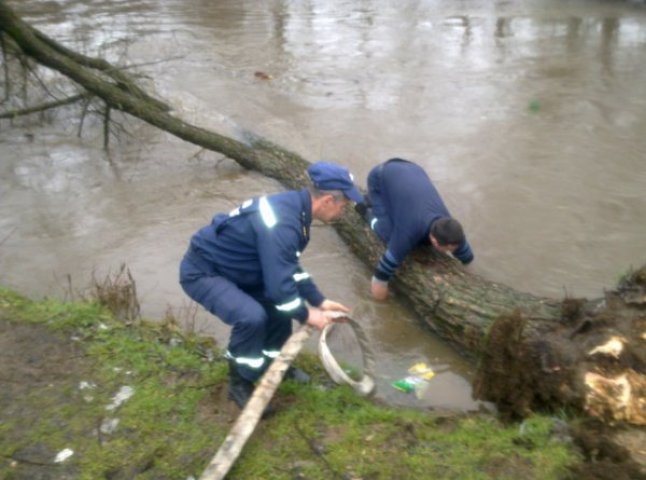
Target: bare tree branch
{"x":44,"y":106}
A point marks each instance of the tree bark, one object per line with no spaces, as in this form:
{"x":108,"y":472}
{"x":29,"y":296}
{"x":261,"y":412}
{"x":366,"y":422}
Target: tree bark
{"x":533,"y":352}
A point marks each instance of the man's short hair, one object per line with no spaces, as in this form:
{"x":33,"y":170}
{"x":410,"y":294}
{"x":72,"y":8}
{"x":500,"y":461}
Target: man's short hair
{"x":447,"y":231}
{"x":338,"y":195}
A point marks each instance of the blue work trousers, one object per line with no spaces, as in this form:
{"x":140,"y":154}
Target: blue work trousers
{"x":258,"y":329}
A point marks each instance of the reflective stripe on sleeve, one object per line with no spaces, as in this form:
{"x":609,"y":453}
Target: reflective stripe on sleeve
{"x":266,"y":212}
{"x":301,"y":276}
{"x":289,"y":306}
{"x":271,"y":353}
{"x":373,"y":223}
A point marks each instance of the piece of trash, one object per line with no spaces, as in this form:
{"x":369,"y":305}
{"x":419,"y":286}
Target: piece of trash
{"x":63,"y":455}
{"x":422,"y":370}
{"x":122,"y":395}
{"x":109,"y":425}
{"x":417,"y":381}
{"x":409,"y":384}
{"x":83,"y":385}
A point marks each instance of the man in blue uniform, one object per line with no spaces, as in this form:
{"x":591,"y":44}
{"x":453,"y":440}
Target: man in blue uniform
{"x":243,"y":267}
{"x":406,"y":210}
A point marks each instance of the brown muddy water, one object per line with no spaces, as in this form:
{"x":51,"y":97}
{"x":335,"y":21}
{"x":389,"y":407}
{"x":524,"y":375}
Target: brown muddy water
{"x":529,"y":115}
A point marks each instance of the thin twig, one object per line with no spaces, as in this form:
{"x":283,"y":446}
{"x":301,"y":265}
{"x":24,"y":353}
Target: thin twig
{"x":43,"y":106}
{"x":33,"y":72}
{"x":122,"y":80}
{"x":106,"y":127}
{"x":146,"y":64}
{"x":196,"y":154}
{"x":86,"y":105}
{"x":5,"y":65}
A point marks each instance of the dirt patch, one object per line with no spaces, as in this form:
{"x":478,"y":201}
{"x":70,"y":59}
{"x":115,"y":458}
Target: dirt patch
{"x":610,"y":453}
{"x":32,"y":356}
{"x":34,"y":360}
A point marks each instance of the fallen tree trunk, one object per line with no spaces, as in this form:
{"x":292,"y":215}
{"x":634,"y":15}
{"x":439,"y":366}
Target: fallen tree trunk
{"x":533,"y":352}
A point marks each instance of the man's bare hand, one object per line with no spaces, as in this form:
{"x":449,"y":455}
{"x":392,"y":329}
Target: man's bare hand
{"x":379,"y":289}
{"x":317,"y":318}
{"x":330,"y":305}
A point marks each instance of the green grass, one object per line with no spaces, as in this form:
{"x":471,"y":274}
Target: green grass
{"x":174,"y":423}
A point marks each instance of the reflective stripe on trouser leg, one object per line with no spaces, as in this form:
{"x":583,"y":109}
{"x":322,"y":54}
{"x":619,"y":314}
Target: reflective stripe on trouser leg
{"x":252,"y":363}
{"x":242,"y":312}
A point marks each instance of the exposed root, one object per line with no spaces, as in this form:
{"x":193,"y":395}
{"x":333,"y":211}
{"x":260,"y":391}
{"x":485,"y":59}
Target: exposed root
{"x":517,"y":375}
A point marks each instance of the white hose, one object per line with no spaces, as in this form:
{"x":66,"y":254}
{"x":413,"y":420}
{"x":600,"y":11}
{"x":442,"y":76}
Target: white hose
{"x":366,"y":385}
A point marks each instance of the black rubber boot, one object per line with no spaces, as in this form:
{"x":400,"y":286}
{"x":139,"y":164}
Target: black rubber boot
{"x":298,"y":375}
{"x":240,"y":389}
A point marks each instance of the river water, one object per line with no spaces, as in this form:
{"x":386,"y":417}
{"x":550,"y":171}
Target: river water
{"x":529,"y":116}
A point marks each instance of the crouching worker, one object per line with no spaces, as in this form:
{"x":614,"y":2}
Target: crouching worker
{"x":244,"y":268}
{"x":406,"y":210}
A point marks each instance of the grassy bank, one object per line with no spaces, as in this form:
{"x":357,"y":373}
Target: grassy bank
{"x":64,"y":364}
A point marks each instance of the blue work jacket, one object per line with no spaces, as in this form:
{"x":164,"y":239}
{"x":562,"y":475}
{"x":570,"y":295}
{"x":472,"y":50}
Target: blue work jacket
{"x":412,"y":204}
{"x":257,"y":246}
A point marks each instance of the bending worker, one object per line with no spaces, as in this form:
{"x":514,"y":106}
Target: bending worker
{"x":406,"y":210}
{"x":244,"y":269}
